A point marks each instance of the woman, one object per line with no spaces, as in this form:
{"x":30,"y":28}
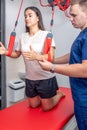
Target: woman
{"x":41,"y":86}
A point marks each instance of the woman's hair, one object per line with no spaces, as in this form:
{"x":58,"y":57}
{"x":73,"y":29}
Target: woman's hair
{"x":38,"y":13}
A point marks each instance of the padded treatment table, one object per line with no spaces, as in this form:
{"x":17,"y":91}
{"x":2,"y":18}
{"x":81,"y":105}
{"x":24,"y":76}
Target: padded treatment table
{"x":21,"y":117}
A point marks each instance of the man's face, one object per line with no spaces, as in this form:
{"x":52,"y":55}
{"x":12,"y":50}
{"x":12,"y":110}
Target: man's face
{"x":78,"y":17}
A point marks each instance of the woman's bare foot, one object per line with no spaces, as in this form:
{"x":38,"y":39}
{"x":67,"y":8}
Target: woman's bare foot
{"x":60,"y":93}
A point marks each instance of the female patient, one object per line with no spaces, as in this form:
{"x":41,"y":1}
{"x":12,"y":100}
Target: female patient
{"x":41,"y":85}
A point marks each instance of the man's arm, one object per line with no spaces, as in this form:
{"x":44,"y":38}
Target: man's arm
{"x":73,"y":70}
{"x":63,"y":59}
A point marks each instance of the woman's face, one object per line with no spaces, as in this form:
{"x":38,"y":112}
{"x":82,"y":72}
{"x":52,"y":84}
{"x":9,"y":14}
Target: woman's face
{"x":31,"y":19}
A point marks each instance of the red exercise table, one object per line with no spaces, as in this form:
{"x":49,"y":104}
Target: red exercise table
{"x":21,"y":117}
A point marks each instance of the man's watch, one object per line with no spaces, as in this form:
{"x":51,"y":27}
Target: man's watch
{"x":52,"y":69}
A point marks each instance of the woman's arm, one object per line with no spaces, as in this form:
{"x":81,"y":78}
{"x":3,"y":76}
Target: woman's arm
{"x":4,"y":51}
{"x":32,"y":55}
{"x":50,"y":56}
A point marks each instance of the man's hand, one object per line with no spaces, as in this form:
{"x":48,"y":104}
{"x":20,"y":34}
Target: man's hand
{"x":45,"y":65}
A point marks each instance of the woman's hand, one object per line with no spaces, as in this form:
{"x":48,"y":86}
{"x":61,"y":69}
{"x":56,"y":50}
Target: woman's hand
{"x":31,"y":55}
{"x":2,"y":49}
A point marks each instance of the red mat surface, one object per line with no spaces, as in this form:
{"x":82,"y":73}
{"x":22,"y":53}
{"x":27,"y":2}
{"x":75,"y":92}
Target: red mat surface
{"x":21,"y":117}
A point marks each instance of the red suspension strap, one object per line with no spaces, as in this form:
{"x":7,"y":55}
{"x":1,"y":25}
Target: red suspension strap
{"x":48,"y":40}
{"x":62,"y":4}
{"x":13,"y":33}
{"x":49,"y":4}
{"x":47,"y":45}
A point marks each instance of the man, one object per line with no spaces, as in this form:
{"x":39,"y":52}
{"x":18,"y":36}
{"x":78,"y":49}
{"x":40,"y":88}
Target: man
{"x":77,"y":67}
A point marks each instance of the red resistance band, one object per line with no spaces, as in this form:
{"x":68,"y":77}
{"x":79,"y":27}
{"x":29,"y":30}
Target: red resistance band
{"x":47,"y":45}
{"x":13,"y":34}
{"x":11,"y":43}
{"x":63,"y":4}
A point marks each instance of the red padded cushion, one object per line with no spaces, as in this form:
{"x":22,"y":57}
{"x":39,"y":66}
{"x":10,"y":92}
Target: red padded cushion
{"x":21,"y":117}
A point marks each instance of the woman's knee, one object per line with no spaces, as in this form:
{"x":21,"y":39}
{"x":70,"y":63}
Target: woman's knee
{"x":34,"y":102}
{"x":46,"y":108}
{"x":34,"y":105}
